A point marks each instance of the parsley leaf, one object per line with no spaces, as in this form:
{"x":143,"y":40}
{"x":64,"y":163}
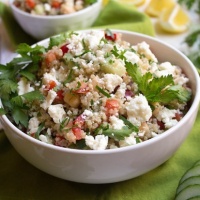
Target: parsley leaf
{"x":157,"y":89}
{"x":37,"y":134}
{"x":59,"y":39}
{"x":102,"y":91}
{"x":129,"y":124}
{"x":29,"y":97}
{"x":118,"y":134}
{"x":20,"y":116}
{"x":7,"y":86}
{"x":2,"y":111}
{"x":25,"y":65}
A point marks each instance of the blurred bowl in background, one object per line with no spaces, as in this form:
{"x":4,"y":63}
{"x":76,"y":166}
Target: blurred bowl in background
{"x":41,"y":27}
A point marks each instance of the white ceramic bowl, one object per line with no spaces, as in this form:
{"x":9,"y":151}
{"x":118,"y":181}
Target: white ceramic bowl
{"x":113,"y":165}
{"x":41,"y":27}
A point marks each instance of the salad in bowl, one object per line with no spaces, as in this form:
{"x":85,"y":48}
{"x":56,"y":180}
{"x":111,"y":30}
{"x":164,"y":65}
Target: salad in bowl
{"x":92,"y":90}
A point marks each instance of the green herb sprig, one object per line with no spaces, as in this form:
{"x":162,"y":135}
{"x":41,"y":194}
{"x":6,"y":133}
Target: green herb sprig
{"x":26,"y":65}
{"x":157,"y":89}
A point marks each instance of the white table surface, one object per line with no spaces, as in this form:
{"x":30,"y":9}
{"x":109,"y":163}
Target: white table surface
{"x":7,"y":53}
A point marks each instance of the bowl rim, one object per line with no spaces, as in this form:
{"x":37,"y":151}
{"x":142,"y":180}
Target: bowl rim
{"x":49,"y":17}
{"x":193,"y":108}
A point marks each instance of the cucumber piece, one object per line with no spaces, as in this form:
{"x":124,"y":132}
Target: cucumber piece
{"x":189,"y":181}
{"x":197,"y":163}
{"x":194,"y":171}
{"x":114,"y":67}
{"x":189,"y":192}
{"x":195,"y":198}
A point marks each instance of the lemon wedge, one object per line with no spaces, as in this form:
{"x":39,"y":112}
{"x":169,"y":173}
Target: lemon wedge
{"x":105,"y":2}
{"x":132,"y":2}
{"x":155,"y":7}
{"x":174,"y":19}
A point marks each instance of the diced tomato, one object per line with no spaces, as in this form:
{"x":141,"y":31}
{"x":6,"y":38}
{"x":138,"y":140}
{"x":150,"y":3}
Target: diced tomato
{"x":79,"y":121}
{"x":83,"y":89}
{"x":112,"y":104}
{"x":161,"y":125}
{"x":178,"y":116}
{"x":60,"y":95}
{"x":60,"y":141}
{"x":59,"y":98}
{"x":64,"y":49}
{"x":30,"y":4}
{"x":50,"y":57}
{"x":112,"y":37}
{"x":77,"y":132}
{"x":32,"y":135}
{"x":55,"y":4}
{"x":50,"y":85}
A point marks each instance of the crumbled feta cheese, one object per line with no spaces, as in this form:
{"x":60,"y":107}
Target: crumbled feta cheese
{"x":166,"y":116}
{"x":138,"y":110}
{"x":131,"y":57}
{"x":87,"y":113}
{"x":24,"y":87}
{"x":143,"y":48}
{"x":116,"y":123}
{"x":47,"y":77}
{"x":93,"y":39}
{"x":47,"y":7}
{"x":57,"y":113}
{"x":154,"y":134}
{"x":121,"y":91}
{"x":181,"y":80}
{"x":43,"y":138}
{"x":111,"y":81}
{"x":49,"y":132}
{"x":131,"y":140}
{"x":165,"y":69}
{"x":59,"y":74}
{"x":171,"y":123}
{"x":100,"y":142}
{"x":33,"y":124}
{"x":49,"y":99}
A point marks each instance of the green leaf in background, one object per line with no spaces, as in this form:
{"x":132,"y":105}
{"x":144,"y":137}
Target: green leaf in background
{"x":193,"y":38}
{"x":16,"y":33}
{"x":191,"y":3}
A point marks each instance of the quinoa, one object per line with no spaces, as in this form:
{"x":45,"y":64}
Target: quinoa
{"x":91,"y":101}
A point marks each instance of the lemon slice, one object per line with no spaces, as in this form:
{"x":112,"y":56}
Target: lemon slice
{"x":132,"y":2}
{"x":174,"y":19}
{"x":156,"y":7}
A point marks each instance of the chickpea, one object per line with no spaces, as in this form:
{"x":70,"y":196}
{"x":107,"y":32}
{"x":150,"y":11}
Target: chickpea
{"x":72,"y":99}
